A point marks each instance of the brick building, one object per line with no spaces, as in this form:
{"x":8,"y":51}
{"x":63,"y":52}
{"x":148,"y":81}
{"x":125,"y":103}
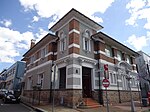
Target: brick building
{"x":79,"y":50}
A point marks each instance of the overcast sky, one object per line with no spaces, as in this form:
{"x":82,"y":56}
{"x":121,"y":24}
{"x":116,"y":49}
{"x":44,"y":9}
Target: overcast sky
{"x":127,"y":21}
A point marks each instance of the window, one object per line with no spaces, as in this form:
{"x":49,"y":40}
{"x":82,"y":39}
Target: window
{"x":47,"y":49}
{"x":62,"y":41}
{"x":32,"y":59}
{"x":29,"y":83}
{"x":40,"y":79}
{"x":133,"y":82}
{"x":113,"y":78}
{"x":108,"y":51}
{"x":86,"y":41}
{"x":128,"y":59}
{"x":119,"y":55}
{"x":43,"y":53}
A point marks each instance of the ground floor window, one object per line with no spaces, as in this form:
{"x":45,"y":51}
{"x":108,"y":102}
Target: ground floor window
{"x":62,"y":79}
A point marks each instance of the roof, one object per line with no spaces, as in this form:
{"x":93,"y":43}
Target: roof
{"x":45,"y":38}
{"x":141,"y":53}
{"x":116,"y":43}
{"x":74,"y":13}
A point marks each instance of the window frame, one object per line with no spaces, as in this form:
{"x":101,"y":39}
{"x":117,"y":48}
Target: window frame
{"x":86,"y":40}
{"x":119,"y":55}
{"x":62,"y":41}
{"x":41,"y":79}
{"x":108,"y":48}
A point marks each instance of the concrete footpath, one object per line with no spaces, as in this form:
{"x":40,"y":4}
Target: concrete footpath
{"x":123,"y":107}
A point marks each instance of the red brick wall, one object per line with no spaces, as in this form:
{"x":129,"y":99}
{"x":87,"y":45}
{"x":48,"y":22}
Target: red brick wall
{"x":74,"y":38}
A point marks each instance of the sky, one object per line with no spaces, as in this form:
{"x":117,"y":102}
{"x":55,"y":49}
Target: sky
{"x":127,"y":21}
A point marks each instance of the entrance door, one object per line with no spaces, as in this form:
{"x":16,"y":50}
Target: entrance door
{"x":86,"y":82}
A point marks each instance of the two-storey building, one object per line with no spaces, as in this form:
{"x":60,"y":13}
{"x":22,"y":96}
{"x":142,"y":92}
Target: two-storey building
{"x":79,"y":50}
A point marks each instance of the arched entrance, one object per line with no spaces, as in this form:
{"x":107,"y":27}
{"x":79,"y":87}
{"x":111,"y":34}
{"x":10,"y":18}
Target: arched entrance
{"x":122,"y":70}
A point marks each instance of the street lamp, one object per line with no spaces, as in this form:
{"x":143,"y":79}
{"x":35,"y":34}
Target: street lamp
{"x":132,"y":102}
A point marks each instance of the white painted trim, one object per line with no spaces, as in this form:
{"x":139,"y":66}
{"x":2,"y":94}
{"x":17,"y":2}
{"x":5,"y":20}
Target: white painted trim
{"x":37,"y":60}
{"x":74,"y":45}
{"x":85,"y":64}
{"x":73,"y":87}
{"x":73,"y":65}
{"x":115,"y":58}
{"x":46,"y":63}
{"x":73,"y":55}
{"x":106,"y":62}
{"x":100,"y":52}
{"x":135,"y":71}
{"x":74,"y":76}
{"x":61,"y":65}
{"x":134,"y":65}
{"x":75,"y":31}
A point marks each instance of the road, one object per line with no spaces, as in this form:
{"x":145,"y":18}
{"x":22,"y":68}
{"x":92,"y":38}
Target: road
{"x":10,"y":107}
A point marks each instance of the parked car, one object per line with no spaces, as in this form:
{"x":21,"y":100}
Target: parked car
{"x":2,"y":92}
{"x":9,"y":96}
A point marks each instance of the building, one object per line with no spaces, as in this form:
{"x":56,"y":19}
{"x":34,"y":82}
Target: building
{"x":15,"y":74}
{"x":74,"y":58}
{"x":143,"y":65}
{"x":2,"y":79}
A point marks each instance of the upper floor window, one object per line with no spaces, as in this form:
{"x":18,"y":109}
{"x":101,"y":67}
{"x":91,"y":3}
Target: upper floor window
{"x":32,"y":59}
{"x":62,"y":41}
{"x":108,"y":51}
{"x":43,"y":52}
{"x":128,"y":59}
{"x":86,"y":41}
{"x":119,"y":55}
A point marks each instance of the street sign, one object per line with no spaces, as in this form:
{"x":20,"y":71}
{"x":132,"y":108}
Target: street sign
{"x":106,"y":83}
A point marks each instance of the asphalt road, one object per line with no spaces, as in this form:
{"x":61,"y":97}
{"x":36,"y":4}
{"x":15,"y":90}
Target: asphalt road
{"x":12,"y":107}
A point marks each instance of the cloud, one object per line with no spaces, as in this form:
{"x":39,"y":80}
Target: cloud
{"x":6,"y":22}
{"x":138,"y":9}
{"x":41,"y":34}
{"x":35,"y":19}
{"x":139,"y":42}
{"x":12,"y":42}
{"x":57,"y":8}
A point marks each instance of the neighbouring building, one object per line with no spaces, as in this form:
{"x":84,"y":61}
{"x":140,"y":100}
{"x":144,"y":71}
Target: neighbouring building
{"x":14,"y":76}
{"x":2,"y":79}
{"x":79,"y":50}
{"x":143,"y":65}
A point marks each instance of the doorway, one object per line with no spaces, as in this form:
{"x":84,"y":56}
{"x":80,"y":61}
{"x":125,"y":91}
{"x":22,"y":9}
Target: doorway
{"x":86,"y":82}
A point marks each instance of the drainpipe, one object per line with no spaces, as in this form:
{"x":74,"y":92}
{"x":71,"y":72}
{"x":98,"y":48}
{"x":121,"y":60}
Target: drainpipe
{"x":100,"y":83}
{"x":50,"y":97}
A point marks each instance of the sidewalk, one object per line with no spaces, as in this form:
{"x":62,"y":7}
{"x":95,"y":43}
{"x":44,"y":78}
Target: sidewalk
{"x":123,"y":107}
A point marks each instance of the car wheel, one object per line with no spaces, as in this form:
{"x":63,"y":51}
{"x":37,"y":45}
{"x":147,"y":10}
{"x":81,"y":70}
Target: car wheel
{"x":4,"y":100}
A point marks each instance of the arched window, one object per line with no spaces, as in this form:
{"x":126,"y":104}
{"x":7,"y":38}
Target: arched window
{"x":119,"y":55}
{"x":128,"y":59}
{"x":62,"y":41}
{"x":86,"y":41}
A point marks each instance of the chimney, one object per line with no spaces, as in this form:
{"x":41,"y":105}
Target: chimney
{"x":32,"y":43}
